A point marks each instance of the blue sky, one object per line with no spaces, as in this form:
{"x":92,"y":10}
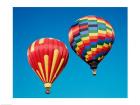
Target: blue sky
{"x":76,"y":80}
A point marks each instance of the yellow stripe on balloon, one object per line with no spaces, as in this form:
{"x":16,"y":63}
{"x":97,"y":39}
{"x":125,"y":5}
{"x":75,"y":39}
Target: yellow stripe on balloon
{"x":99,"y":46}
{"x":100,"y":21}
{"x":89,"y":52}
{"x":92,"y":18}
{"x":46,"y":59}
{"x":109,"y":45}
{"x":39,"y":75}
{"x":105,"y":45}
{"x":55,"y":55}
{"x":32,"y":46}
{"x":93,"y":49}
{"x":108,"y":31}
{"x":102,"y":57}
{"x":101,"y":31}
{"x":99,"y":58}
{"x":79,"y":43}
{"x":108,"y":25}
{"x":41,"y":70}
{"x":93,"y":34}
{"x":41,"y":41}
{"x":86,"y":56}
{"x":86,"y":59}
{"x":85,"y":38}
{"x":60,"y":65}
{"x":77,"y":49}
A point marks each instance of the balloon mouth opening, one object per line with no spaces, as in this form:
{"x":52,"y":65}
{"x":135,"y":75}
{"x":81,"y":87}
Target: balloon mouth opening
{"x":93,"y":66}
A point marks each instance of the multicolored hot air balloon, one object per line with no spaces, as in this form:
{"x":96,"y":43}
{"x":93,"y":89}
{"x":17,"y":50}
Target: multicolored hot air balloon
{"x":91,"y":38}
{"x":47,"y":57}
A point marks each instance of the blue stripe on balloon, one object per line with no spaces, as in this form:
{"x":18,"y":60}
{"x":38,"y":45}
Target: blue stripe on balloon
{"x":101,"y":25}
{"x":84,"y":32}
{"x":98,"y":55}
{"x":107,"y":40}
{"x":100,"y":41}
{"x":94,"y":58}
{"x":92,"y":28}
{"x":93,"y":43}
{"x":73,"y":44}
{"x":87,"y":47}
{"x":85,"y":50}
{"x":92,"y":22}
{"x":77,"y":38}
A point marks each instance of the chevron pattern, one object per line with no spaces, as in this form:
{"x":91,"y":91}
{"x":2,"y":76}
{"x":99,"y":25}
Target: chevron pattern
{"x":91,"y":38}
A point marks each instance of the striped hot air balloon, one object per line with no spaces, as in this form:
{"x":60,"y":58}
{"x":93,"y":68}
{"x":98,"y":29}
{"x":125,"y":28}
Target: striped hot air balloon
{"x":91,"y":38}
{"x":47,"y":57}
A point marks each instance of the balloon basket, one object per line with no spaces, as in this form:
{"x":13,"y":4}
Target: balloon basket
{"x":94,"y":72}
{"x":48,"y":87}
{"x":47,"y":91}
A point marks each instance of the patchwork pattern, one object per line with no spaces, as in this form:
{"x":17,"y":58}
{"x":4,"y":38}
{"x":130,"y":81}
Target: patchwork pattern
{"x":91,"y":38}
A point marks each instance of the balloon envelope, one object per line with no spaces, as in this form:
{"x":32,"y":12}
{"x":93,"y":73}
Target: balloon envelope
{"x":91,"y":38}
{"x":47,"y":57}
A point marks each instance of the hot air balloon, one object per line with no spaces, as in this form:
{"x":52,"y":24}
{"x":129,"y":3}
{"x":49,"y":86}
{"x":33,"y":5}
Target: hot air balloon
{"x":91,"y":38}
{"x":47,"y":57}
